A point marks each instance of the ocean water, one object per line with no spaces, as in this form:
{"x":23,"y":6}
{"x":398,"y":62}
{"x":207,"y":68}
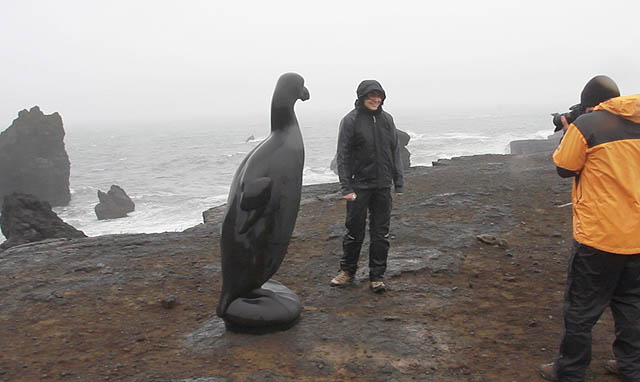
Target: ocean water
{"x":174,"y":173}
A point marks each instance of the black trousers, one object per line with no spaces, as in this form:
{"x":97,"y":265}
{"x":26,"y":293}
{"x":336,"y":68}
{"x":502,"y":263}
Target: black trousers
{"x":378,"y":203}
{"x":597,"y":279}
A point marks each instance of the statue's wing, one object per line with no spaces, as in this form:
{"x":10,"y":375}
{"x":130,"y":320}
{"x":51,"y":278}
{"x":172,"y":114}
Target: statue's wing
{"x":254,"y":199}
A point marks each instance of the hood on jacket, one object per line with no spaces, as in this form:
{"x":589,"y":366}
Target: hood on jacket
{"x":366,"y":87}
{"x":627,"y":107}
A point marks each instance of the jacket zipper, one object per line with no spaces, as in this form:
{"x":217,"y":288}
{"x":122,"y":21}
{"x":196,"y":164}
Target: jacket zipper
{"x":375,"y":148}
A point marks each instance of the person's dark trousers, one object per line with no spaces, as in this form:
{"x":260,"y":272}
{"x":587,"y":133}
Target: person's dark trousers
{"x":597,"y":279}
{"x":378,"y":202}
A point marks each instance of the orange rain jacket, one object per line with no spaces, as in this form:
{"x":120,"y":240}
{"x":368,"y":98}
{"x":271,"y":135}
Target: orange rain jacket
{"x":603,"y":148}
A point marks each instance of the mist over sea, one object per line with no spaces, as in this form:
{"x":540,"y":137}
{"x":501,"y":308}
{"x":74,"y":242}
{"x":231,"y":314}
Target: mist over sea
{"x":175,"y":172}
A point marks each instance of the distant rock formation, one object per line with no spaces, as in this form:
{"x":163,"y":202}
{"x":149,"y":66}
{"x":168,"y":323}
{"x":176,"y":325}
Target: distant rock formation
{"x":532,"y":146}
{"x":33,"y":159}
{"x":26,"y":219}
{"x":114,"y":204}
{"x":405,"y":155}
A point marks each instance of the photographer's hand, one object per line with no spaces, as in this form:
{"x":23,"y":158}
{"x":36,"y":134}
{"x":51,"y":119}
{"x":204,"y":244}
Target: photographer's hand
{"x":565,"y":124}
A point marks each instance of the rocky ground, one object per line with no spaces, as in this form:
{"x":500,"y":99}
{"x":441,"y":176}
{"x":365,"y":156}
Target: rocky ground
{"x":476,"y":276}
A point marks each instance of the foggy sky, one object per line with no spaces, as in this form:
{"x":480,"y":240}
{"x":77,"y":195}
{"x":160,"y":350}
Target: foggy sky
{"x":123,"y":62}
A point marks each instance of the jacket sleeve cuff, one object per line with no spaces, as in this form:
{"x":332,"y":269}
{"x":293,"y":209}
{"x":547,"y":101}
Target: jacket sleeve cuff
{"x":346,"y":189}
{"x":399,"y":189}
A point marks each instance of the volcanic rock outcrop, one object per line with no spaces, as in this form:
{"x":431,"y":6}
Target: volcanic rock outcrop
{"x":25,"y":219}
{"x":33,"y":159}
{"x":114,"y":204}
{"x":532,"y":146}
{"x":405,"y":155}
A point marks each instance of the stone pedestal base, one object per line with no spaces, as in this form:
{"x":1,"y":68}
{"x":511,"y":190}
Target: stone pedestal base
{"x":271,"y":308}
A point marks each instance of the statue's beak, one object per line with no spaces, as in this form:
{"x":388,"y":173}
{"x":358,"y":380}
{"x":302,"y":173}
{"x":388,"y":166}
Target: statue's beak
{"x":305,"y":94}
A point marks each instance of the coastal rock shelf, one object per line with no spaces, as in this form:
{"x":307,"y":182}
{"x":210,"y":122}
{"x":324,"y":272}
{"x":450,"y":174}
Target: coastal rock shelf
{"x":457,"y":309}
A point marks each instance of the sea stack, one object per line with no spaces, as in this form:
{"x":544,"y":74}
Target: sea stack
{"x":33,"y":159}
{"x":114,"y":204}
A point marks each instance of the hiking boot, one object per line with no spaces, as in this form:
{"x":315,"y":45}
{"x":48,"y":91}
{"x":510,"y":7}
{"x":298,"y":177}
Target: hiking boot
{"x":611,"y":366}
{"x":377,"y":286}
{"x":546,"y":372}
{"x":341,"y":279}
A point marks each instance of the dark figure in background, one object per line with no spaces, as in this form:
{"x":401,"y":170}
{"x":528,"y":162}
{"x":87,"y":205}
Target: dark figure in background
{"x":601,"y":150}
{"x":261,"y":212}
{"x":369,"y":163}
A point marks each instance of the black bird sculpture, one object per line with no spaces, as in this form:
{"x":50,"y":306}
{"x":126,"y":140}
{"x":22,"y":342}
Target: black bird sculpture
{"x":261,"y":213}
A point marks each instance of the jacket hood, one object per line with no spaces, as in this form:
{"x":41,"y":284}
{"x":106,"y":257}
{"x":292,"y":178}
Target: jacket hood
{"x":366,"y":87}
{"x":627,"y":107}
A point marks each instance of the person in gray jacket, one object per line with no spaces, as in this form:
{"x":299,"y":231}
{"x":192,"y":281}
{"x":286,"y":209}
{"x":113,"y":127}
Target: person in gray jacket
{"x":369,"y":164}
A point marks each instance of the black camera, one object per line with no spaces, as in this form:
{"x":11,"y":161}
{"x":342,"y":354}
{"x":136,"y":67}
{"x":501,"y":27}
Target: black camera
{"x":574,"y":112}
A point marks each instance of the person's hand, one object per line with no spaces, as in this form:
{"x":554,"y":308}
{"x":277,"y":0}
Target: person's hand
{"x":350,"y":197}
{"x":565,"y":124}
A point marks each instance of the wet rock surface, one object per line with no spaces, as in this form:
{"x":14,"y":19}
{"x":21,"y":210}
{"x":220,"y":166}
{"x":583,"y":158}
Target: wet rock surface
{"x":33,"y":159}
{"x":456,"y":308}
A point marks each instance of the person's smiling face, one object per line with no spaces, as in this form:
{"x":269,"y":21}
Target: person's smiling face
{"x":373,"y":100}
